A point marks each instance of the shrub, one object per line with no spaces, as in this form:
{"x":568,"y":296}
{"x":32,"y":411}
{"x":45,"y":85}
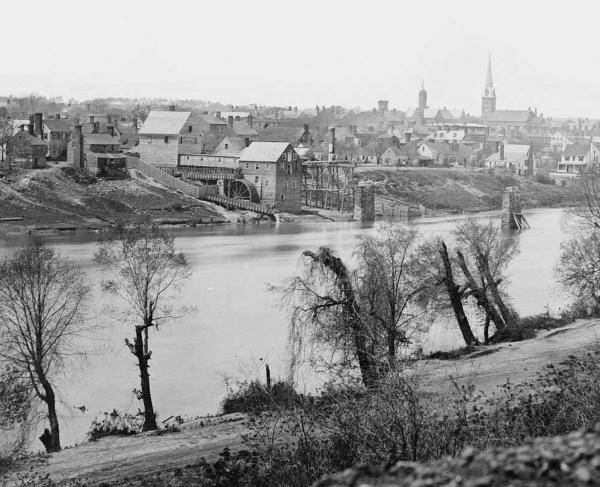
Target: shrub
{"x":544,"y":179}
{"x":115,"y":424}
{"x":253,"y":396}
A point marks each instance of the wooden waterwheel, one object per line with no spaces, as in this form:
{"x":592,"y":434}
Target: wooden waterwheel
{"x":240,"y":189}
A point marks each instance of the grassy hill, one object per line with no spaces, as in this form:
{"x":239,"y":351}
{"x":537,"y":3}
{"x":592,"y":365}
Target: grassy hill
{"x":459,"y":190}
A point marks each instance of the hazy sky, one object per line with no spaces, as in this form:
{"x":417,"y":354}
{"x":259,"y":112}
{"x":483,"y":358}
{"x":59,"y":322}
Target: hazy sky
{"x":544,"y":54}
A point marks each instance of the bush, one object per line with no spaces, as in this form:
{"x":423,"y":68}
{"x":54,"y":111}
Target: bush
{"x":544,"y":179}
{"x":115,"y":424}
{"x":255,"y":397}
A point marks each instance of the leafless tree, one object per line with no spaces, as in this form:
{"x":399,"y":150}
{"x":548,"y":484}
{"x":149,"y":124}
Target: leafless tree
{"x":6,"y":135}
{"x":490,"y":252}
{"x":42,"y":298}
{"x":392,"y":285}
{"x":579,"y":266}
{"x":147,"y":272}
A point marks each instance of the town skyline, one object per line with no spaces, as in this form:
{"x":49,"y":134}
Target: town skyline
{"x":214,"y":54}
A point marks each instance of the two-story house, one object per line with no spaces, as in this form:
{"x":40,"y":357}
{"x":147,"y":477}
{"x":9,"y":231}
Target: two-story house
{"x":275,"y":170}
{"x":57,"y":134}
{"x":97,"y":152}
{"x":577,"y":158}
{"x":27,"y":151}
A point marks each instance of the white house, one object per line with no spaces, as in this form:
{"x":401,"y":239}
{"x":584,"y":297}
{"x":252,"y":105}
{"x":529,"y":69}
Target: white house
{"x":515,"y":157}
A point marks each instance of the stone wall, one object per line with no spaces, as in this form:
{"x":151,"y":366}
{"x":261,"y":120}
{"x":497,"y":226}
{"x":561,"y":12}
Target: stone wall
{"x":364,"y":203}
{"x":511,"y":204}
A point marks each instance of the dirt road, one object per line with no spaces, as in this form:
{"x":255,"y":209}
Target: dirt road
{"x":112,"y":459}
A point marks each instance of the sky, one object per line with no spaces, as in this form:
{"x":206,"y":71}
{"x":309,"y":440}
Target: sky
{"x":352,"y":53}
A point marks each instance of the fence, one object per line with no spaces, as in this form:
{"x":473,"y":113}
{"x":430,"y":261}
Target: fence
{"x":199,"y":192}
{"x":240,"y":204}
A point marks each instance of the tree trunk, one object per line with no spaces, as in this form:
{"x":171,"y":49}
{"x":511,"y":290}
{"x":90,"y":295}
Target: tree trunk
{"x":504,"y":311}
{"x":480,"y":295}
{"x":143,"y":358}
{"x":52,"y":442}
{"x":455,"y":299}
{"x":351,"y":310}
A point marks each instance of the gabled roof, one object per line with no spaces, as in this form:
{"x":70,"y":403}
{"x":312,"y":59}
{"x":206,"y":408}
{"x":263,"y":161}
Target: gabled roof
{"x":164,"y":122}
{"x":235,"y":145}
{"x":577,"y":150}
{"x":398,"y":151}
{"x":59,"y":125}
{"x":31,"y":139}
{"x":263,"y":151}
{"x":512,"y":152}
{"x":280,"y":134}
{"x":507,"y":116}
{"x":102,"y":139}
{"x":244,"y":129}
{"x":212,"y":120}
{"x":439,"y":147}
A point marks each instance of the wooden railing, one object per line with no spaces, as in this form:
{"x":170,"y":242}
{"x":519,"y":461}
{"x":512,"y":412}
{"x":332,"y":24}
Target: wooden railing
{"x":170,"y":181}
{"x":241,"y":204}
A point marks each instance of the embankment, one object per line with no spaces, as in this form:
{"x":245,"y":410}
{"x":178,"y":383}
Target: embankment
{"x":458,"y":190}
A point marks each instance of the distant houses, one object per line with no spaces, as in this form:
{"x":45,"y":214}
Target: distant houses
{"x":27,"y":150}
{"x":517,"y":158}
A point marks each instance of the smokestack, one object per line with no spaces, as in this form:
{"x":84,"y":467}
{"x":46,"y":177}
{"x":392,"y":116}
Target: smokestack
{"x":331,"y":143}
{"x":250,"y":120}
{"x":38,"y":124}
{"x":77,"y":146}
{"x":31,"y":127}
{"x":171,"y":108}
{"x":230,"y":122}
{"x":135,"y":122}
{"x":501,"y":151}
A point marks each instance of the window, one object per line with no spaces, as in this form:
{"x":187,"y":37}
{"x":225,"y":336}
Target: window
{"x":581,"y":158}
{"x":285,"y":185}
{"x":166,"y":140}
{"x":294,"y":156}
{"x":257,"y":166}
{"x":149,"y":140}
{"x":283,"y":166}
{"x":281,"y":195}
{"x":268,"y":167}
{"x":293,"y":184}
{"x":181,"y":140}
{"x":256,"y":179}
{"x":289,"y":169}
{"x":190,"y":128}
{"x":266,"y":182}
{"x":226,"y":146}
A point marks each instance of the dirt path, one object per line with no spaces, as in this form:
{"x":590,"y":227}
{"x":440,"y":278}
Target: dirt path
{"x":112,"y":459}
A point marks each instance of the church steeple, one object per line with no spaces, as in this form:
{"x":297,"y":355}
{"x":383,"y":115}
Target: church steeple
{"x":422,"y":96}
{"x":488,"y":100}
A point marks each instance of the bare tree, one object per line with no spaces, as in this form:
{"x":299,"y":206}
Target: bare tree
{"x":391,"y":285}
{"x":491,"y":252}
{"x":42,"y":298}
{"x":6,"y":135}
{"x":579,"y":266}
{"x":325,"y":307}
{"x":147,"y":272}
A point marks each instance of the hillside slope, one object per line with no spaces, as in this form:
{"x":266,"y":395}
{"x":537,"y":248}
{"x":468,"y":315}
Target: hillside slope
{"x":64,"y":198}
{"x":460,"y":190}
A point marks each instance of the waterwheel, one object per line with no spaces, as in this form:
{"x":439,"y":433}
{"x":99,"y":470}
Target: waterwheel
{"x":241,"y":189}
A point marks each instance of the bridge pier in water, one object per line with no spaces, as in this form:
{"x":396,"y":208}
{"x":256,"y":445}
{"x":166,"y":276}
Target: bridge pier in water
{"x":512,"y":216}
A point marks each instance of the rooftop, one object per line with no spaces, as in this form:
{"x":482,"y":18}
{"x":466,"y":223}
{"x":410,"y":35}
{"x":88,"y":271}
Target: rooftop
{"x":263,"y":151}
{"x":164,"y":122}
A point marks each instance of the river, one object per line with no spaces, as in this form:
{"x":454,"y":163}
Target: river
{"x":236,"y":325}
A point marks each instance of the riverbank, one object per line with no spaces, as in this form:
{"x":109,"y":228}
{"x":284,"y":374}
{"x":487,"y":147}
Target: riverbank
{"x":59,"y":199}
{"x":463,"y":191}
{"x":147,"y":458}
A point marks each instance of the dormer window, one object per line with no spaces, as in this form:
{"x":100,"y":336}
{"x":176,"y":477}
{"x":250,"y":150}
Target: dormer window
{"x":190,"y":128}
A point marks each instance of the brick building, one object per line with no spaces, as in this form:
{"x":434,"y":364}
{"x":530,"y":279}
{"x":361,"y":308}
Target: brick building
{"x":275,"y":170}
{"x":97,"y":152}
{"x":57,"y":133}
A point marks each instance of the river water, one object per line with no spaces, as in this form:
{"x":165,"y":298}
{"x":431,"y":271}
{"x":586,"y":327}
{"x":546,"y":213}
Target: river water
{"x":236,"y":325}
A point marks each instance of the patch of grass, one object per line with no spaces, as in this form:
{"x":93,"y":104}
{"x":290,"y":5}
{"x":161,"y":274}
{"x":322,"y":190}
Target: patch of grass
{"x":254,"y":396}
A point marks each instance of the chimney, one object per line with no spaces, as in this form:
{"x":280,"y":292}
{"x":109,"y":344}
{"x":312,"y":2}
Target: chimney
{"x":111,"y":130}
{"x":77,"y":146}
{"x":230,"y":122}
{"x":250,"y":120}
{"x":31,"y":126}
{"x":501,"y":151}
{"x":331,"y":143}
{"x":134,"y":123}
{"x":96,"y":128}
{"x":57,"y":116}
{"x":383,"y":106}
{"x":247,"y":141}
{"x":38,"y":124}
{"x":171,"y":108}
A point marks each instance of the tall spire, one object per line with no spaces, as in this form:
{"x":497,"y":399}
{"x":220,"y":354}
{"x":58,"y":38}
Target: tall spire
{"x":422,"y":83}
{"x":489,"y":83}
